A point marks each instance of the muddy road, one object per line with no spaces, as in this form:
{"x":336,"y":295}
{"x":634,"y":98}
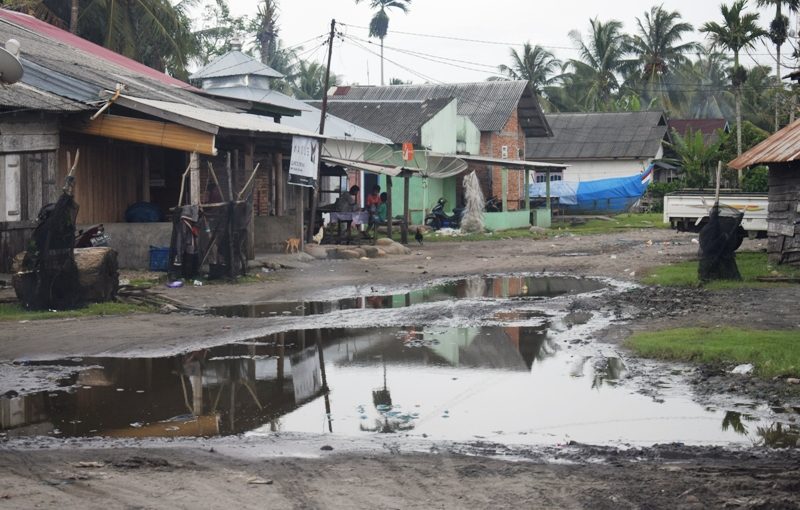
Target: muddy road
{"x":463,"y":374}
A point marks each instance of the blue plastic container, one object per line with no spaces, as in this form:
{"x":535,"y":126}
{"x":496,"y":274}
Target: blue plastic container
{"x":159,"y":258}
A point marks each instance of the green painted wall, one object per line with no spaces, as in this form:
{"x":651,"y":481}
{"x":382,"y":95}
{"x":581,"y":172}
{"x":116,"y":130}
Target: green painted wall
{"x":439,"y":133}
{"x":417,"y":202}
{"x":507,"y":220}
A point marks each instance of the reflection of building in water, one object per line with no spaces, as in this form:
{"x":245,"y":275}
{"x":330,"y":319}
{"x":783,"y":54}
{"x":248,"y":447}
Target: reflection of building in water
{"x":240,"y":387}
{"x":225,"y":390}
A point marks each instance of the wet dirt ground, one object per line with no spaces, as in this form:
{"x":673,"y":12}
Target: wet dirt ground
{"x":448,"y":445}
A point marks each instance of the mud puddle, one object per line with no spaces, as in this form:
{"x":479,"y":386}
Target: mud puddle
{"x":505,"y":287}
{"x":506,"y":360}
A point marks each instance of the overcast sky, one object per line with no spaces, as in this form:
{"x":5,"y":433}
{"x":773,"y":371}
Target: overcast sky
{"x":544,"y":22}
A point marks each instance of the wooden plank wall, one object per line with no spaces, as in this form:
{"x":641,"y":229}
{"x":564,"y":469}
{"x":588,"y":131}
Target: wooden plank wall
{"x":108,"y":179}
{"x":784,"y":214}
{"x":13,"y":239}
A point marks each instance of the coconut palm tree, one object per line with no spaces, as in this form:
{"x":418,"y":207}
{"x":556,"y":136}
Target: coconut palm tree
{"x":267,"y":30}
{"x":601,"y":62}
{"x":309,"y":81}
{"x":657,"y":49}
{"x":535,"y":65}
{"x":737,"y":31}
{"x":379,"y":24}
{"x":705,"y":83}
{"x":778,"y":33}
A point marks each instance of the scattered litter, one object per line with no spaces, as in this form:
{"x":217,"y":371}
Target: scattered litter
{"x":89,"y":464}
{"x":695,"y":241}
{"x":124,"y":281}
{"x":197,"y":283}
{"x":175,"y":285}
{"x":744,"y":369}
{"x":136,"y":425}
{"x":327,"y":448}
{"x":613,"y":257}
{"x":120,"y":389}
{"x":792,"y":380}
{"x":259,"y":481}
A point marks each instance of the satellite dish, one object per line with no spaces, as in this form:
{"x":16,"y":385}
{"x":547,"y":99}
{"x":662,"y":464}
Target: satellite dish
{"x":10,"y":67}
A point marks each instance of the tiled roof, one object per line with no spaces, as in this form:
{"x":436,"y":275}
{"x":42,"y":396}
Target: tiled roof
{"x":399,"y":121}
{"x":489,"y":104}
{"x":576,"y":136}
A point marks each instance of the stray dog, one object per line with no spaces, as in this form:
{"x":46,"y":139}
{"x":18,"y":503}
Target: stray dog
{"x":292,"y":245}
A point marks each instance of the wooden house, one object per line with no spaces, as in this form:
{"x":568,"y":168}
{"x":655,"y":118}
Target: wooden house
{"x":781,"y":153}
{"x":137,"y":130}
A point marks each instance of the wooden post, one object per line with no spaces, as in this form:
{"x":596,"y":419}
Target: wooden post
{"x":719,"y":176}
{"x":388,"y":206}
{"x":249,"y":162}
{"x":406,"y":213}
{"x":146,"y":175}
{"x":279,"y":186}
{"x":504,"y":178}
{"x":527,"y":188}
{"x":322,"y":115}
{"x":194,"y":179}
{"x":229,"y":171}
{"x":547,"y":203}
{"x":301,"y":193}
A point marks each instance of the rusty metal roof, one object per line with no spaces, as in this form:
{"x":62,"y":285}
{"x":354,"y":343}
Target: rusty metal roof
{"x":782,"y":147}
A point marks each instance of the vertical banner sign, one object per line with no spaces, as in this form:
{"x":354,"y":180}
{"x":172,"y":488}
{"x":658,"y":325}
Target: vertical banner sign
{"x":303,"y":164}
{"x":408,"y":151}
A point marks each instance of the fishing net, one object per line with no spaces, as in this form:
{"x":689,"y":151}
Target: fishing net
{"x":472,"y":220}
{"x":719,"y":240}
{"x":48,"y":274}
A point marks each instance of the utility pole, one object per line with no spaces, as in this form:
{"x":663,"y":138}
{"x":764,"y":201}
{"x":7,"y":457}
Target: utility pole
{"x":315,"y":199}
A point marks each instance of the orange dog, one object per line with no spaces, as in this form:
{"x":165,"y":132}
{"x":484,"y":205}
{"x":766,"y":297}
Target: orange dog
{"x":292,"y":245}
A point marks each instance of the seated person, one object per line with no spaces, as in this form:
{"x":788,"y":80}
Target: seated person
{"x":373,"y":199}
{"x":381,"y":210}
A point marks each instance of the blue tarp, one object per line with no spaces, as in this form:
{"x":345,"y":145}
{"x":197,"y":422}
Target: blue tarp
{"x":612,"y":195}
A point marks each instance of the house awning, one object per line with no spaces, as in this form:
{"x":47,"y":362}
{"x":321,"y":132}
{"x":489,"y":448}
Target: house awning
{"x":210,"y":121}
{"x":392,"y":171}
{"x":148,"y":132}
{"x":514,"y":164}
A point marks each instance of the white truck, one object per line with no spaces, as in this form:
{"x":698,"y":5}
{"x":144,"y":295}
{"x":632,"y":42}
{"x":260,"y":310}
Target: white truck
{"x":687,"y":210}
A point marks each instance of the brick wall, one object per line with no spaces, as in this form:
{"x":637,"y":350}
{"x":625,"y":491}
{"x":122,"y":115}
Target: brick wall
{"x":490,"y":177}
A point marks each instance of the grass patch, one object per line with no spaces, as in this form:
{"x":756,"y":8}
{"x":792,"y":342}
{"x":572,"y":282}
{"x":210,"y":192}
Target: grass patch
{"x":752,"y":265}
{"x":772,"y":353}
{"x":15,"y":312}
{"x":618,"y":223}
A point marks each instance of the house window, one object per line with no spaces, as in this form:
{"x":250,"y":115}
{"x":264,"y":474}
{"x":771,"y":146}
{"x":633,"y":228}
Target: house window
{"x":543,"y":177}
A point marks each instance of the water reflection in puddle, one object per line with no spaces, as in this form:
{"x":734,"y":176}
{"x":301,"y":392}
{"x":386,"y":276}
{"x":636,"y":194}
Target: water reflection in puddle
{"x":473,"y":288}
{"x":514,"y":385}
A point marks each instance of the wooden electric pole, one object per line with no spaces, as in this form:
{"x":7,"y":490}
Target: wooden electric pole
{"x":315,"y":199}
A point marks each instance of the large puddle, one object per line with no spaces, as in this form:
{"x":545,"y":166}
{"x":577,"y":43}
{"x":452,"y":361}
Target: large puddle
{"x":538,"y":381}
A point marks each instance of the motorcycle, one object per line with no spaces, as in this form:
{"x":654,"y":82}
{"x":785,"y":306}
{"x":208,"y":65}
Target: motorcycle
{"x":494,"y":204}
{"x":438,"y":219}
{"x":91,"y":237}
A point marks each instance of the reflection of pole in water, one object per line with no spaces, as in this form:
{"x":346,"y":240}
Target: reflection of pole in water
{"x":281,"y":340}
{"x":325,"y":389}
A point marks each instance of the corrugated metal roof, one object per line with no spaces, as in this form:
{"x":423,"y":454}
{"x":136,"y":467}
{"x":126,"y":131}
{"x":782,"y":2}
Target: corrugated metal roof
{"x":628,"y":135}
{"x":235,"y":63}
{"x":781,"y":147}
{"x":399,"y":121}
{"x":23,"y":96}
{"x":59,"y":84}
{"x":190,"y":115}
{"x":69,"y":56}
{"x":489,"y":105}
{"x":255,"y":95}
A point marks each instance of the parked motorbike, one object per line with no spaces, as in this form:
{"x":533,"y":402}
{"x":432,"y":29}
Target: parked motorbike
{"x":494,"y":204}
{"x":438,"y":219}
{"x":91,"y":237}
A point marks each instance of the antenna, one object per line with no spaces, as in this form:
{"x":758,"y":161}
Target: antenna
{"x":10,"y":68}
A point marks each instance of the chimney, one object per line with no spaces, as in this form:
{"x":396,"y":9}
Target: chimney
{"x":236,"y":44}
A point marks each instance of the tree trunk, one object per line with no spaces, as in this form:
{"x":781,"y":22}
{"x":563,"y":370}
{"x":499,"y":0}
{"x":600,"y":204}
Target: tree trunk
{"x":739,"y":127}
{"x":778,"y":88}
{"x":382,"y":82}
{"x":73,"y":17}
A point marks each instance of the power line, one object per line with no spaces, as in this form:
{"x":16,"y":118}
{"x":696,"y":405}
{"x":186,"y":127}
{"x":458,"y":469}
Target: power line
{"x":495,"y":43}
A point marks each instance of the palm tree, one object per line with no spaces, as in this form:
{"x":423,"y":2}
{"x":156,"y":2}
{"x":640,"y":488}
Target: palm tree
{"x":778,"y":30}
{"x":601,"y":60}
{"x":309,"y":82}
{"x":535,"y":65}
{"x":658,"y":49}
{"x":738,"y":30}
{"x":379,"y":24}
{"x":705,"y":81}
{"x":267,"y":29}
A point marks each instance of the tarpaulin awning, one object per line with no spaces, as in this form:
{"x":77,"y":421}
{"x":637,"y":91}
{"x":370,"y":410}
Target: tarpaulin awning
{"x":514,"y":164}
